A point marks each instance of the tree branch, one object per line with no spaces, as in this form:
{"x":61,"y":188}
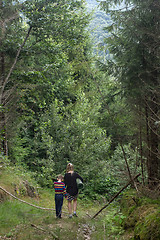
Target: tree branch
{"x":39,"y":228}
{"x":14,"y":63}
{"x":25,"y":201}
{"x":116,"y":195}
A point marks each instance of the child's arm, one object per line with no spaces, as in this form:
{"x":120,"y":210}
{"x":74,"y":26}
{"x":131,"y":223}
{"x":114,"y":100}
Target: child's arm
{"x":64,"y":191}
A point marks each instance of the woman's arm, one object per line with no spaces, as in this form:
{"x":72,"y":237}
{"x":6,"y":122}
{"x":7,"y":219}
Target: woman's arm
{"x":78,"y":176}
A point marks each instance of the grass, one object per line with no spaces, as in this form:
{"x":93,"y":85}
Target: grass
{"x":19,"y":221}
{"x":23,"y":222}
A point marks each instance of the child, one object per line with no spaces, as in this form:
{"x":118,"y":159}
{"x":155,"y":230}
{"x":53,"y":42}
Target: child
{"x":60,"y":191}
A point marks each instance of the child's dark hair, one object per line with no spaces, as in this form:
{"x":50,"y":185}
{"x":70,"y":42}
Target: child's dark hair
{"x":60,"y":176}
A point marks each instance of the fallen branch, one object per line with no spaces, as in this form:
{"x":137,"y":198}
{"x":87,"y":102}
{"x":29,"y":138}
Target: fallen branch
{"x":25,"y":201}
{"x":129,"y":172}
{"x":116,"y":195}
{"x":51,"y":233}
{"x":88,"y":215}
{"x":50,"y":209}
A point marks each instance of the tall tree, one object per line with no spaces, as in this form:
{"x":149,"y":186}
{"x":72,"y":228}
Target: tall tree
{"x":134,"y":43}
{"x":55,"y":32}
{"x":11,"y":33}
{"x":54,"y":67}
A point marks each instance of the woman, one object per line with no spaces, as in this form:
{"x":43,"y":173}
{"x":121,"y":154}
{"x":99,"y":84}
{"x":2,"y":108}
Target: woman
{"x":71,"y":188}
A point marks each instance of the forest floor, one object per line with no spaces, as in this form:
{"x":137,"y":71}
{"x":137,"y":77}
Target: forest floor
{"x":19,"y":221}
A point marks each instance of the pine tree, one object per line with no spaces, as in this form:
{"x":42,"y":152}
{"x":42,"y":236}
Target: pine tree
{"x":134,"y":43}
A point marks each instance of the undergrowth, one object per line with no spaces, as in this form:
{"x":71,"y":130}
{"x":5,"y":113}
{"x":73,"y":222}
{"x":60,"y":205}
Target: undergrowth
{"x":21,"y":221}
{"x":138,"y":218}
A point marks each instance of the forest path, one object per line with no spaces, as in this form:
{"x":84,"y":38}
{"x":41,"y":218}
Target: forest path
{"x":25,"y":220}
{"x":39,"y":224}
{"x":30,"y":223}
{"x":79,"y":227}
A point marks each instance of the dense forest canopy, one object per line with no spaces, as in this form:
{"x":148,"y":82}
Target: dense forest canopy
{"x":133,"y":41}
{"x":60,"y":103}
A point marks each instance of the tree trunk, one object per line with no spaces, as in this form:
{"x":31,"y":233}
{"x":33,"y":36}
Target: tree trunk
{"x":153,"y":159}
{"x":3,"y":133}
{"x":140,"y":145}
{"x":3,"y":81}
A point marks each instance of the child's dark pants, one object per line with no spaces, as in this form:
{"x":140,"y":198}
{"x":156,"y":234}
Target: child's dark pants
{"x":58,"y":203}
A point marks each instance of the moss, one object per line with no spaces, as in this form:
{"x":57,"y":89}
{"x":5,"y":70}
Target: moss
{"x":142,"y":216}
{"x":145,"y":201}
{"x":149,"y":228}
{"x":129,"y":202}
{"x":129,"y":222}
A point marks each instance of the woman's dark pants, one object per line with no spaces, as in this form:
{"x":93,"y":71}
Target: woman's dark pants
{"x":58,"y":203}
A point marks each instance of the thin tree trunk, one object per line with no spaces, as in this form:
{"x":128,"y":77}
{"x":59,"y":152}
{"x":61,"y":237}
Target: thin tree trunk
{"x":153,"y":102}
{"x":5,"y":137}
{"x":2,"y":113}
{"x":4,"y":81}
{"x":147,"y":137}
{"x":116,"y":195}
{"x":153,"y":165}
{"x":141,"y":148}
{"x":13,"y":65}
{"x":129,"y":172}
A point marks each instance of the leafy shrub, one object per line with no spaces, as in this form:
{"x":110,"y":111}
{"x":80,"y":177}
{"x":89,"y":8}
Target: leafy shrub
{"x":101,"y":186}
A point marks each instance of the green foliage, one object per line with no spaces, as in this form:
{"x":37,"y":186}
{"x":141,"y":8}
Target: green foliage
{"x":119,"y":165}
{"x":116,"y":115}
{"x":135,"y":47}
{"x":109,"y":226}
{"x":142,"y":214}
{"x":100,"y":187}
{"x":73,"y":136}
{"x":65,"y":134}
{"x":56,"y":115}
{"x":53,"y":68}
